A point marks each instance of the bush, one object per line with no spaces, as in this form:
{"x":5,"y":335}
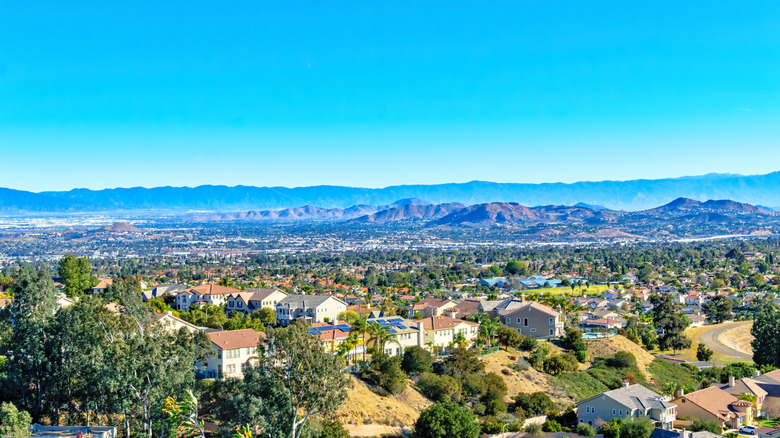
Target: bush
{"x":703,"y":353}
{"x":560,"y":363}
{"x":572,"y":339}
{"x":493,"y":387}
{"x":385,"y":372}
{"x":417,"y":360}
{"x":333,"y":429}
{"x":552,"y":426}
{"x":528,"y":343}
{"x":446,"y":420}
{"x":611,"y":429}
{"x":640,"y":427}
{"x":533,"y":404}
{"x":508,"y":336}
{"x":581,"y":355}
{"x":533,"y":429}
{"x":495,"y":406}
{"x":520,"y":365}
{"x":621,"y":359}
{"x":700,"y":424}
{"x":536,"y":358}
{"x":440,"y":388}
{"x":585,"y":430}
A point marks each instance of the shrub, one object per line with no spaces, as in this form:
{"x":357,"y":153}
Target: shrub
{"x":520,"y":365}
{"x":333,"y":429}
{"x":621,"y":359}
{"x":493,"y":387}
{"x":417,"y":360}
{"x":585,"y":430}
{"x":703,"y":353}
{"x":536,"y":358}
{"x":440,"y":388}
{"x":385,"y":372}
{"x":640,"y":427}
{"x":611,"y":429}
{"x":533,"y":429}
{"x":552,"y":426}
{"x":700,"y":424}
{"x":581,"y":355}
{"x":559,"y":364}
{"x":508,"y":336}
{"x":446,"y":420}
{"x":495,"y":406}
{"x":528,"y":343}
{"x":572,"y":339}
{"x":533,"y":404}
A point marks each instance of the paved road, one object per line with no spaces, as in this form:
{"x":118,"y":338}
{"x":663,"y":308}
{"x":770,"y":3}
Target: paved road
{"x":710,"y":339}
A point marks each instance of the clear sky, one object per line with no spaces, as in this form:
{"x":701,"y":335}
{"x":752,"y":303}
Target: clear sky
{"x":374,"y":93}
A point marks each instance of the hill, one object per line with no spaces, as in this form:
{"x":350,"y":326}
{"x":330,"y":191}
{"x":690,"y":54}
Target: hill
{"x":410,"y":212}
{"x":121,"y":227}
{"x":627,"y":195}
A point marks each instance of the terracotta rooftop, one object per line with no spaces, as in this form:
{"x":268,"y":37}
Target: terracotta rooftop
{"x":442,"y":322}
{"x":230,"y":339}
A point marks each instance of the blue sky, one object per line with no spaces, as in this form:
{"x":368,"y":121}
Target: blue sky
{"x":145,"y":93}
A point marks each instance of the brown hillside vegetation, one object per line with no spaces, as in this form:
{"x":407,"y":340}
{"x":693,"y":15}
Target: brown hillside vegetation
{"x":364,"y":407}
{"x":524,"y":382}
{"x":603,"y":347}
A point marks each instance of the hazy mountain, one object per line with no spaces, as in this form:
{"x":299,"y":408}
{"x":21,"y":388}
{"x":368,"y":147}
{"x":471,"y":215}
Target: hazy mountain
{"x":410,"y":212}
{"x":627,"y":195}
{"x":689,"y":206}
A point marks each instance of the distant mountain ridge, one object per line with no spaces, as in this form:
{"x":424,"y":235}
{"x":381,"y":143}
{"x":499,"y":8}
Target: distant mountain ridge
{"x":618,"y":195}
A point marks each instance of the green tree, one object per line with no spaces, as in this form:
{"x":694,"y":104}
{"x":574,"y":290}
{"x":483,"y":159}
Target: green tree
{"x":386,"y":372}
{"x":703,"y":353}
{"x":515,"y":267}
{"x":417,"y":360}
{"x":585,"y":430}
{"x":13,"y":422}
{"x":533,"y":404}
{"x":718,"y":309}
{"x":446,"y":420}
{"x":313,"y":379}
{"x":640,"y":427}
{"x":76,"y":275}
{"x":440,"y":388}
{"x":266,"y":315}
{"x":766,"y":334}
{"x":700,"y":424}
{"x":509,"y":336}
{"x":32,"y":310}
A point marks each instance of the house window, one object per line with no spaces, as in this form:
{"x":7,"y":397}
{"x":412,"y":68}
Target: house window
{"x":533,"y":330}
{"x":509,"y":320}
{"x":621,"y":412}
{"x":525,"y":322}
{"x":614,"y":412}
{"x":230,"y":304}
{"x":518,"y":320}
{"x":552,"y":321}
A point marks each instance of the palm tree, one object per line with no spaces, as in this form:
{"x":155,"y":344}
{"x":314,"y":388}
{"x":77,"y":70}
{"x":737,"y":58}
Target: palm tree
{"x":380,"y":335}
{"x":361,"y":326}
{"x":459,"y":339}
{"x":488,"y":329}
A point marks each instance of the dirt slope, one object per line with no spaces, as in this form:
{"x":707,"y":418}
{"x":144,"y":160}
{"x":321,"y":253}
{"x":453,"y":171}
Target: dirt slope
{"x":364,"y":407}
{"x":523,"y":382}
{"x":602,"y":347}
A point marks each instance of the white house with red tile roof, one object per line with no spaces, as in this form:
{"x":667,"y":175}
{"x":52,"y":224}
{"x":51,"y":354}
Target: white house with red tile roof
{"x":207,"y":293}
{"x":234,"y":349}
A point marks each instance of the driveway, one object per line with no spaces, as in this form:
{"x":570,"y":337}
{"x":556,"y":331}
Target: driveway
{"x":710,"y":339}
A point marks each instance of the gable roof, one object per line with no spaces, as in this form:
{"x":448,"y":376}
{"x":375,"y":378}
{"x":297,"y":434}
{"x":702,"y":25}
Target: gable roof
{"x":436,"y":303}
{"x":231,"y":339}
{"x":532,"y":305}
{"x":715,"y":401}
{"x":306,"y":301}
{"x":261,"y":293}
{"x":635,"y":397}
{"x":210,"y":289}
{"x":442,"y":322}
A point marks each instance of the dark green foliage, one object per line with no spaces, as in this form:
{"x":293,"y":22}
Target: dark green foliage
{"x":572,"y":339}
{"x":509,"y":337}
{"x":493,"y":387}
{"x":666,"y":317}
{"x":440,"y":388}
{"x":737,"y":369}
{"x":552,"y":426}
{"x":462,"y":361}
{"x":611,"y":429}
{"x":536,"y":358}
{"x":560,"y":363}
{"x":718,"y":309}
{"x":665,"y":373}
{"x":528,"y":343}
{"x":417,"y":360}
{"x":700,"y":424}
{"x":533,"y":404}
{"x":446,"y":420}
{"x":640,"y":427}
{"x":386,"y":372}
{"x":703,"y":353}
{"x":76,"y":275}
{"x":621,"y":359}
{"x":333,"y":429}
{"x":13,"y":422}
{"x":766,"y":331}
{"x":495,"y":406}
{"x":585,"y":430}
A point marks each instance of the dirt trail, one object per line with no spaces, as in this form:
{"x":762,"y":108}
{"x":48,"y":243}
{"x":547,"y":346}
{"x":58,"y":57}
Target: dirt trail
{"x":723,"y":338}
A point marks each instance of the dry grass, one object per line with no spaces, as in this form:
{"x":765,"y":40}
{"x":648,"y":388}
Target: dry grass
{"x":606,"y":346}
{"x":523,"y":382}
{"x":364,"y":407}
{"x":738,"y":338}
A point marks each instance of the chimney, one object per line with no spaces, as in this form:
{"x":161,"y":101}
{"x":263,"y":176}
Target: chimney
{"x":680,"y":392}
{"x":756,"y":373}
{"x":732,"y":382}
{"x":626,"y":384}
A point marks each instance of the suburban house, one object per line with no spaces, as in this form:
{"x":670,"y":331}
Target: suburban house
{"x":440,"y":331}
{"x":103,"y":284}
{"x":768,"y":432}
{"x":602,"y":323}
{"x":311,"y":308}
{"x":162,"y":290}
{"x":748,"y":385}
{"x":625,"y":402}
{"x":534,"y":319}
{"x":465,"y":308}
{"x":234,"y":349}
{"x":769,"y":382}
{"x":493,"y":308}
{"x":332,"y":334}
{"x":174,"y":323}
{"x":209,"y":293}
{"x":432,"y":306}
{"x":253,"y":299}
{"x":406,"y":333}
{"x":716,"y":405}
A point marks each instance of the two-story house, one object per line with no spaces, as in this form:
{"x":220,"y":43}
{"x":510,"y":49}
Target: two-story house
{"x":253,"y":299}
{"x":626,"y":402}
{"x":716,"y":405}
{"x":209,"y":293}
{"x":234,"y":350}
{"x":432,"y":306}
{"x":534,"y":319}
{"x":312,"y":308}
{"x":405,"y":333}
{"x":440,"y":331}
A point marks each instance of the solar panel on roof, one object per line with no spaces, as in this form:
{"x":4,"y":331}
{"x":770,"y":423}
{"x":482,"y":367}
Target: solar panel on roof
{"x":401,"y":326}
{"x":393,"y":331}
{"x":395,"y":319}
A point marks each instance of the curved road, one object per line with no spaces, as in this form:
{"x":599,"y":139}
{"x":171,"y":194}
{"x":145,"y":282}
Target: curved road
{"x":710,"y":339}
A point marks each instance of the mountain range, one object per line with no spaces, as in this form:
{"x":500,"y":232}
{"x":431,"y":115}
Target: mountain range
{"x":616,"y":195}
